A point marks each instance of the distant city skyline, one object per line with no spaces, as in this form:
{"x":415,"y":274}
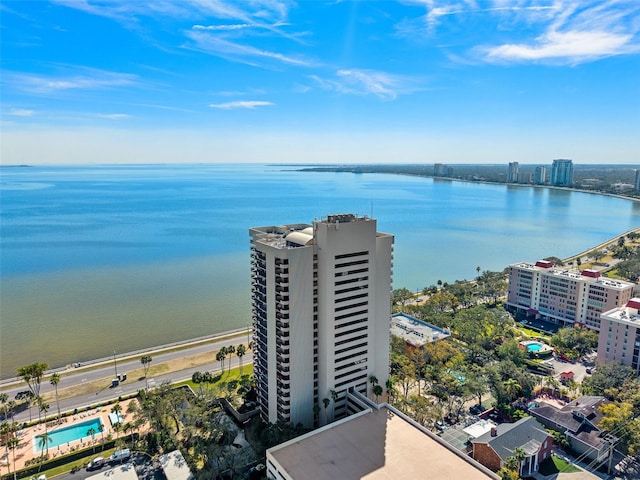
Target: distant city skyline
{"x":417,"y":81}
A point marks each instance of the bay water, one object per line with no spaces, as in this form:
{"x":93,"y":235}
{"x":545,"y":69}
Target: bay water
{"x":97,"y":259}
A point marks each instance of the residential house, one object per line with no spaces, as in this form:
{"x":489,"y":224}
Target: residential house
{"x":494,"y":447}
{"x":578,"y":420}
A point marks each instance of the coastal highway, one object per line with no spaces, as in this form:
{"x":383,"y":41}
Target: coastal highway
{"x":103,"y":371}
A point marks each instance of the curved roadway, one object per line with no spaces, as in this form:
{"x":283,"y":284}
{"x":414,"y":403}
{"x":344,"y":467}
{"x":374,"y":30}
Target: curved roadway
{"x":106,"y":370}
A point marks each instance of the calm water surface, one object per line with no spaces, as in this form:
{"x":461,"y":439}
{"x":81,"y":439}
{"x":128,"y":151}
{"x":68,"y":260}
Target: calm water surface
{"x":103,"y":258}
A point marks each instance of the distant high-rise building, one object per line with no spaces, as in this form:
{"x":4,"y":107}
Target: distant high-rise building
{"x":514,"y":168}
{"x":637,"y":182}
{"x":321,"y":313}
{"x":540,"y":177}
{"x":449,"y":171}
{"x":438,"y":170}
{"x":562,"y":173}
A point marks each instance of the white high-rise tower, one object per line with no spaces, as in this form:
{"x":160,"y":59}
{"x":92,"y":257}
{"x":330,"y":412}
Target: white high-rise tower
{"x":321,"y":313}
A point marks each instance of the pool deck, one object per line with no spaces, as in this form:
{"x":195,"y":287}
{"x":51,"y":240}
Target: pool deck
{"x":26,"y":449}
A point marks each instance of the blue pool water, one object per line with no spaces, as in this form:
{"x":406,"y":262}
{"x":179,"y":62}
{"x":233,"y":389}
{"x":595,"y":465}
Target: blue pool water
{"x":534,"y":347}
{"x":69,"y":434}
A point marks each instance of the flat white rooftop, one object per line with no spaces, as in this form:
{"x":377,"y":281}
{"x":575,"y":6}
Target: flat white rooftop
{"x":374,"y":445}
{"x":175,"y":467}
{"x":414,"y":331}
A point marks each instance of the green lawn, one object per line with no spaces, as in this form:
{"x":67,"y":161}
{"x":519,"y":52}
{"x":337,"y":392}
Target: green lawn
{"x":556,"y":465}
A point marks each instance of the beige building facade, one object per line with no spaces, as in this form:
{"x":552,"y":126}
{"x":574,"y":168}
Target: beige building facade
{"x":321,"y":311}
{"x":564,"y":296}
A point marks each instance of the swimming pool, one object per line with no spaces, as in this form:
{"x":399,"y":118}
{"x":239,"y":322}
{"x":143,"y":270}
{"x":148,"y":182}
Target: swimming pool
{"x":68,"y":434}
{"x":534,"y":347}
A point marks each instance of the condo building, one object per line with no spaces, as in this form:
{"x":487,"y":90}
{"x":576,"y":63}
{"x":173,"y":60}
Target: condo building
{"x":563,"y":296}
{"x":321,"y":312}
{"x":540,"y":176}
{"x":514,"y":169}
{"x":619,"y":337}
{"x":562,"y":173}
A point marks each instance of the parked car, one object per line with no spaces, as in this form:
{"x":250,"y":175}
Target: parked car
{"x":96,"y":463}
{"x":120,"y":455}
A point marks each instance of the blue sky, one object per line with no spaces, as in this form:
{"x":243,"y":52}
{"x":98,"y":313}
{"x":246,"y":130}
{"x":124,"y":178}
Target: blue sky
{"x":462,"y":81}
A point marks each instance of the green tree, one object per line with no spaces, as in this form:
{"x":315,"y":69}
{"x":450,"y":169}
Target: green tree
{"x":44,"y":439}
{"x":32,"y":375}
{"x":552,"y":383}
{"x":240,"y":351}
{"x":621,"y":420}
{"x":146,"y":364}
{"x":101,"y":430}
{"x":12,"y":444}
{"x":377,"y":391}
{"x":607,"y":377}
{"x":55,"y":380}
{"x":400,"y":296}
{"x":92,"y":433}
{"x":230,"y":351}
{"x":512,"y":388}
{"x":519,"y":455}
{"x":220,"y":356}
{"x":43,"y":407}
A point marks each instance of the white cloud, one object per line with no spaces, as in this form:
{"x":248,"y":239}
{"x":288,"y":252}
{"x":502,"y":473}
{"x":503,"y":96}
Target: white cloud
{"x":237,"y":52}
{"x":224,"y":27}
{"x":370,"y":82}
{"x":20,"y":112}
{"x":115,"y":116}
{"x":247,"y":104}
{"x":572,"y":46}
{"x":575,"y":32}
{"x":85,"y":79}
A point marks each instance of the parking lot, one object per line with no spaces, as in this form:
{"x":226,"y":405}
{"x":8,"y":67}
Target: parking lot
{"x":579,"y":369}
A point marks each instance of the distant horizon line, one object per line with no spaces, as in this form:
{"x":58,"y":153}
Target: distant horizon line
{"x":315,"y":164}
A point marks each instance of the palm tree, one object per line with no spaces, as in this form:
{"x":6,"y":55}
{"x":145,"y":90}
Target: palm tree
{"x":55,"y":380}
{"x":511,"y":388}
{"x":389,"y":385}
{"x":377,"y":391}
{"x":552,"y":383}
{"x":117,"y":409}
{"x":240,"y":351}
{"x":326,"y":402}
{"x":334,"y":397}
{"x":519,"y":455}
{"x":146,"y":363}
{"x":43,"y":442}
{"x":512,"y":464}
{"x":127,"y":427}
{"x":92,"y":433}
{"x":32,"y":375}
{"x":12,"y":444}
{"x":101,"y":430}
{"x":3,"y":400}
{"x":220,"y":358}
{"x":230,"y":351}
{"x":44,"y":408}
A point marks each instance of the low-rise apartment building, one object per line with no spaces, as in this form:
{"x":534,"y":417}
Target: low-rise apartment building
{"x":564,"y":296}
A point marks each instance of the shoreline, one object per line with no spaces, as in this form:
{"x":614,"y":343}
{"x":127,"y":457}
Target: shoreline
{"x":212,"y":338}
{"x":98,"y":362}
